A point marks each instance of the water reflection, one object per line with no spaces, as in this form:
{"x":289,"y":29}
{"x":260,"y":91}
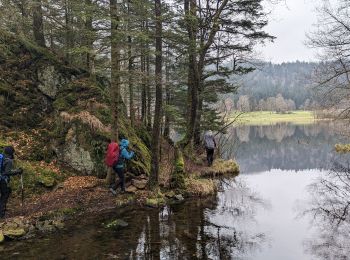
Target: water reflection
{"x":283,"y":146}
{"x":330,"y":209}
{"x":215,"y":228}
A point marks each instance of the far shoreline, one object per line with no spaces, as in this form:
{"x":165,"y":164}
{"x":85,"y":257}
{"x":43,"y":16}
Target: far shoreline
{"x":265,"y":118}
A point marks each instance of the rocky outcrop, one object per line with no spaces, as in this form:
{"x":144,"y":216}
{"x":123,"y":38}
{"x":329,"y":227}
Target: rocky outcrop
{"x":40,"y":91}
{"x":50,"y":81}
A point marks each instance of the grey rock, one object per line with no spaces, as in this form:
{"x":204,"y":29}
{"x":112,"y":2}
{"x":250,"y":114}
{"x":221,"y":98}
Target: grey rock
{"x":50,"y":81}
{"x":179,"y":197}
{"x":140,"y":184}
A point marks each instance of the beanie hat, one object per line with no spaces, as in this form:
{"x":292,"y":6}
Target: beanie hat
{"x":9,"y":151}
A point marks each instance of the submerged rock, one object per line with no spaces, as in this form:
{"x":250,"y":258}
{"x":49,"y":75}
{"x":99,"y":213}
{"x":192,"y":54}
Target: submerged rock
{"x":45,"y":226}
{"x":116,"y":224}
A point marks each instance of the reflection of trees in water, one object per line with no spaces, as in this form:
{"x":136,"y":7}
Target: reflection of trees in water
{"x":284,"y":146}
{"x":243,"y":133}
{"x":232,"y":220}
{"x":330,"y":208}
{"x":194,"y":230}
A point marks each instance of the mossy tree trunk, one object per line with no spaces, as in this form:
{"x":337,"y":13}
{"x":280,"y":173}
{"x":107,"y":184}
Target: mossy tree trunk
{"x":115,"y":68}
{"x":178,"y":175}
{"x":38,"y":25}
{"x":158,"y":103}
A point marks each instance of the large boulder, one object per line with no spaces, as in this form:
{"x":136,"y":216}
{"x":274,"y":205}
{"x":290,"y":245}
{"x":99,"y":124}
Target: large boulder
{"x":50,"y":81}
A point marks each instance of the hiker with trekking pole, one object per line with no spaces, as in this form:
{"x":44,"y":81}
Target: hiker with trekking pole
{"x":116,"y":157}
{"x":6,"y":171}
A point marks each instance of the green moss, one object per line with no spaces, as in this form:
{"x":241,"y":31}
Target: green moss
{"x":127,"y":200}
{"x":221,"y":167}
{"x":201,"y":187}
{"x":178,"y":175}
{"x":116,"y":224}
{"x":34,"y":176}
{"x":155,"y":202}
{"x":3,"y":144}
{"x":60,"y":213}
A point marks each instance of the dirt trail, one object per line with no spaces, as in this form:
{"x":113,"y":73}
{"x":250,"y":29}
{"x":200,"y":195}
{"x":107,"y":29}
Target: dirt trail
{"x":87,"y":193}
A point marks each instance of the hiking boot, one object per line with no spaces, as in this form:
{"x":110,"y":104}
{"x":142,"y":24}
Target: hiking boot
{"x":113,"y":191}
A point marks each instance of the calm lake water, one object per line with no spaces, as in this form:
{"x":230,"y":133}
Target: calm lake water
{"x":289,"y":202}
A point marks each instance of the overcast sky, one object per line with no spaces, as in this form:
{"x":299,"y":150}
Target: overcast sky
{"x":289,"y":22}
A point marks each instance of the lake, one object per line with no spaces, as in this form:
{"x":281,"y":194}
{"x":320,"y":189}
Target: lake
{"x":289,"y":202}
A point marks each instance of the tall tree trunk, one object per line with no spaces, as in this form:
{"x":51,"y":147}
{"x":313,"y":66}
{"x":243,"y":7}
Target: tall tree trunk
{"x":130,"y":70}
{"x":158,"y":102}
{"x":89,"y":57}
{"x":38,"y":25}
{"x":115,"y":66}
{"x":197,"y":127}
{"x":143,"y":86}
{"x":190,"y":8}
{"x":148,"y":90}
{"x":167,"y":97}
{"x":69,"y":33}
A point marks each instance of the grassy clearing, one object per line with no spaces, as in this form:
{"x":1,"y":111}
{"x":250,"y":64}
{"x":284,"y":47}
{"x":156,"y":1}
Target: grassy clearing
{"x":270,"y":118}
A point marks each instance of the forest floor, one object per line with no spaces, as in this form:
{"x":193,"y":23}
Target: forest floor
{"x":270,"y":118}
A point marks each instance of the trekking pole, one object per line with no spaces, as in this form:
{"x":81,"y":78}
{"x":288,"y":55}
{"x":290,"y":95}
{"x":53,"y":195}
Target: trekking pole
{"x":22,"y":191}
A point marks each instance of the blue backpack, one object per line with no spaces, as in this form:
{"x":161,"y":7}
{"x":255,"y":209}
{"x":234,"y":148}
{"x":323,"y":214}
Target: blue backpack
{"x":1,"y":163}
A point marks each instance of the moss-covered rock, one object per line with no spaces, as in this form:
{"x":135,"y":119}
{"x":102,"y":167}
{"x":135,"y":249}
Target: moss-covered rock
{"x":155,"y":202}
{"x":37,"y":177}
{"x":14,"y":233}
{"x":47,"y":181}
{"x":116,"y":224}
{"x":37,"y":88}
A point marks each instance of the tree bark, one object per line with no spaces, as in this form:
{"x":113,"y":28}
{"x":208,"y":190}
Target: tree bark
{"x":69,"y":34}
{"x":130,"y":70}
{"x":167,"y":97}
{"x":190,"y":8}
{"x":38,"y":25}
{"x":115,"y":67}
{"x":89,"y":57}
{"x":143,"y":86}
{"x":158,"y":102}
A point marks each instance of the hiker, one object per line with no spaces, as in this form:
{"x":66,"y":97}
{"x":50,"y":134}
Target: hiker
{"x":7,"y":171}
{"x":119,"y":166}
{"x":210,"y":145}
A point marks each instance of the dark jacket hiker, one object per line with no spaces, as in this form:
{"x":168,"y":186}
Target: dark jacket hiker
{"x":210,"y":145}
{"x":6,"y":171}
{"x":124,"y":155}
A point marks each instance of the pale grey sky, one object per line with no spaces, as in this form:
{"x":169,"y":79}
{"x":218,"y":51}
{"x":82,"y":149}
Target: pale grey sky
{"x":290,"y":20}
